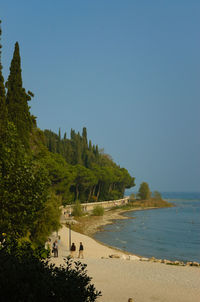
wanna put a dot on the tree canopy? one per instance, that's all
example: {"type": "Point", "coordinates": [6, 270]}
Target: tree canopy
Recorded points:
{"type": "Point", "coordinates": [144, 191]}
{"type": "Point", "coordinates": [97, 177]}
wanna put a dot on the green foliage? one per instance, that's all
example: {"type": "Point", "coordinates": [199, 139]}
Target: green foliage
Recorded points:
{"type": "Point", "coordinates": [47, 220]}
{"type": "Point", "coordinates": [132, 197]}
{"type": "Point", "coordinates": [144, 191]}
{"type": "Point", "coordinates": [157, 195]}
{"type": "Point", "coordinates": [96, 175]}
{"type": "Point", "coordinates": [23, 186]}
{"type": "Point", "coordinates": [98, 211]}
{"type": "Point", "coordinates": [26, 206]}
{"type": "Point", "coordinates": [3, 109]}
{"type": "Point", "coordinates": [77, 209]}
{"type": "Point", "coordinates": [33, 280]}
{"type": "Point", "coordinates": [17, 100]}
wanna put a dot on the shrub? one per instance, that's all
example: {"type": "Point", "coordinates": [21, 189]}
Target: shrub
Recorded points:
{"type": "Point", "coordinates": [34, 280]}
{"type": "Point", "coordinates": [132, 197]}
{"type": "Point", "coordinates": [77, 209]}
{"type": "Point", "coordinates": [157, 195]}
{"type": "Point", "coordinates": [98, 211]}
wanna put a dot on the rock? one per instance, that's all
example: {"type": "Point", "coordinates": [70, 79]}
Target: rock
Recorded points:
{"type": "Point", "coordinates": [195, 264]}
{"type": "Point", "coordinates": [176, 262]}
{"type": "Point", "coordinates": [180, 263]}
{"type": "Point", "coordinates": [159, 260]}
{"type": "Point", "coordinates": [132, 257]}
{"type": "Point", "coordinates": [144, 259]}
{"type": "Point", "coordinates": [189, 263]}
{"type": "Point", "coordinates": [165, 261]}
{"type": "Point", "coordinates": [114, 256]}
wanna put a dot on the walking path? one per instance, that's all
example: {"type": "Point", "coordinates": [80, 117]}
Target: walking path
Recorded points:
{"type": "Point", "coordinates": [119, 279]}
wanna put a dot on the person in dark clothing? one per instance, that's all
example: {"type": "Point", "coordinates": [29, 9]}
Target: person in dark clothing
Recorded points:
{"type": "Point", "coordinates": [55, 248]}
{"type": "Point", "coordinates": [72, 250]}
{"type": "Point", "coordinates": [80, 255]}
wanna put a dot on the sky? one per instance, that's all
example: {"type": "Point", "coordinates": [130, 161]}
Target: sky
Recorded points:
{"type": "Point", "coordinates": [127, 70]}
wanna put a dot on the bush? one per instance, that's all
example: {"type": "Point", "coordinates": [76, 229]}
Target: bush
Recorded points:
{"type": "Point", "coordinates": [132, 197]}
{"type": "Point", "coordinates": [77, 209]}
{"type": "Point", "coordinates": [25, 278]}
{"type": "Point", "coordinates": [98, 211]}
{"type": "Point", "coordinates": [157, 195]}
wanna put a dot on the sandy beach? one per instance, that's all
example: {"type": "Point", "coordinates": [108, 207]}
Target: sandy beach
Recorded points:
{"type": "Point", "coordinates": [119, 279]}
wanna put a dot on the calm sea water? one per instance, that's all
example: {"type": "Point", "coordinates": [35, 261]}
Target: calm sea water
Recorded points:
{"type": "Point", "coordinates": [169, 233]}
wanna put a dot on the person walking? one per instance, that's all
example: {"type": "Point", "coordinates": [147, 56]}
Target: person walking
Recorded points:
{"type": "Point", "coordinates": [55, 248]}
{"type": "Point", "coordinates": [80, 255]}
{"type": "Point", "coordinates": [72, 250]}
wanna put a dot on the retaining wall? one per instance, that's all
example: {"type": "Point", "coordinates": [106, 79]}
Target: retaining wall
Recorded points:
{"type": "Point", "coordinates": [88, 207]}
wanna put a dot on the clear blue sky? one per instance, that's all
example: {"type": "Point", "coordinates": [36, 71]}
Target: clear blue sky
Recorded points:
{"type": "Point", "coordinates": [127, 70]}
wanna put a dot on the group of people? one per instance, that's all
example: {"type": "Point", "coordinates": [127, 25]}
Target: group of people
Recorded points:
{"type": "Point", "coordinates": [73, 250]}
{"type": "Point", "coordinates": [54, 248]}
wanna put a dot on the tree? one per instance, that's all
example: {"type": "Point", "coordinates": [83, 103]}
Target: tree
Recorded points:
{"type": "Point", "coordinates": [48, 220]}
{"type": "Point", "coordinates": [84, 180]}
{"type": "Point", "coordinates": [17, 99]}
{"type": "Point", "coordinates": [77, 209]}
{"type": "Point", "coordinates": [101, 180]}
{"type": "Point", "coordinates": [35, 280]}
{"type": "Point", "coordinates": [144, 191]}
{"type": "Point", "coordinates": [23, 186]}
{"type": "Point", "coordinates": [3, 109]}
{"type": "Point", "coordinates": [84, 136]}
{"type": "Point", "coordinates": [157, 195]}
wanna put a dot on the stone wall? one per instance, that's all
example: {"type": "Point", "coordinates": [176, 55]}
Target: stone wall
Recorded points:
{"type": "Point", "coordinates": [88, 207]}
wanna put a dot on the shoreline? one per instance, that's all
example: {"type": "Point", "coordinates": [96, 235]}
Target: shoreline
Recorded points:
{"type": "Point", "coordinates": [123, 276]}
{"type": "Point", "coordinates": [95, 224]}
{"type": "Point", "coordinates": [90, 225]}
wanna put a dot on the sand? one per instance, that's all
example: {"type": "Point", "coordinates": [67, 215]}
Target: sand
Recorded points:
{"type": "Point", "coordinates": [119, 279]}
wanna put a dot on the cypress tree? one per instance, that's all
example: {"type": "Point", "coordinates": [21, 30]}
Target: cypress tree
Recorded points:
{"type": "Point", "coordinates": [3, 109]}
{"type": "Point", "coordinates": [90, 145]}
{"type": "Point", "coordinates": [17, 99]}
{"type": "Point", "coordinates": [59, 134]}
{"type": "Point", "coordinates": [84, 136]}
{"type": "Point", "coordinates": [97, 150]}
{"type": "Point", "coordinates": [84, 146]}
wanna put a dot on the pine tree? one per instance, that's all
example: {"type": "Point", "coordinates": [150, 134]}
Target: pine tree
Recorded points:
{"type": "Point", "coordinates": [3, 109]}
{"type": "Point", "coordinates": [17, 99]}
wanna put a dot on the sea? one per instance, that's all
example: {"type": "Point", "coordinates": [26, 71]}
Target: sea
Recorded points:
{"type": "Point", "coordinates": [167, 233]}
